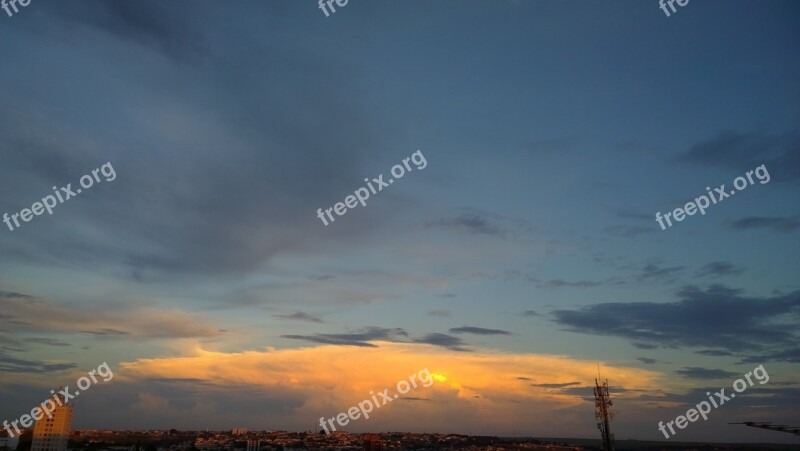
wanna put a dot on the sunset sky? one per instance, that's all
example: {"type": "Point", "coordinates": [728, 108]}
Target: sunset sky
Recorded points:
{"type": "Point", "coordinates": [525, 254]}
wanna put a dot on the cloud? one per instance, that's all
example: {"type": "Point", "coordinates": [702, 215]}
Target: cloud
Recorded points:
{"type": "Point", "coordinates": [300, 316]}
{"type": "Point", "coordinates": [714, 352]}
{"type": "Point", "coordinates": [221, 108]}
{"type": "Point", "coordinates": [733, 150]}
{"type": "Point", "coordinates": [628, 213]}
{"type": "Point", "coordinates": [719, 269]}
{"type": "Point", "coordinates": [531, 313]}
{"type": "Point", "coordinates": [718, 317]}
{"type": "Point", "coordinates": [646, 360]}
{"type": "Point", "coordinates": [440, 313]}
{"type": "Point", "coordinates": [645, 345]}
{"type": "Point", "coordinates": [478, 331]}
{"type": "Point", "coordinates": [560, 283]}
{"type": "Point", "coordinates": [654, 272]}
{"type": "Point", "coordinates": [12, 295]}
{"type": "Point", "coordinates": [317, 381]}
{"type": "Point", "coordinates": [471, 223]}
{"type": "Point", "coordinates": [105, 332]}
{"type": "Point", "coordinates": [359, 339]}
{"type": "Point", "coordinates": [562, 385]}
{"type": "Point", "coordinates": [787, 355]}
{"type": "Point", "coordinates": [446, 341]}
{"type": "Point", "coordinates": [151, 25]}
{"type": "Point", "coordinates": [37, 316]}
{"type": "Point", "coordinates": [9, 364]}
{"type": "Point", "coordinates": [695, 372]}
{"type": "Point", "coordinates": [47, 341]}
{"type": "Point", "coordinates": [786, 224]}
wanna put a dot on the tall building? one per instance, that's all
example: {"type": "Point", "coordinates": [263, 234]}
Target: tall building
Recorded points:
{"type": "Point", "coordinates": [51, 434]}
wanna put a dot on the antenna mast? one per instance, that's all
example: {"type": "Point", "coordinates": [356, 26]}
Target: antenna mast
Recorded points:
{"type": "Point", "coordinates": [603, 413]}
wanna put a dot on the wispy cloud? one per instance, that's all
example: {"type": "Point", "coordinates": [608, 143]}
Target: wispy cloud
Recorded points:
{"type": "Point", "coordinates": [695, 372]}
{"type": "Point", "coordinates": [440, 313]}
{"type": "Point", "coordinates": [359, 339]}
{"type": "Point", "coordinates": [653, 272]}
{"type": "Point", "coordinates": [478, 331]}
{"type": "Point", "coordinates": [735, 150]}
{"type": "Point", "coordinates": [719, 269]}
{"type": "Point", "coordinates": [446, 341]}
{"type": "Point", "coordinates": [300, 316]}
{"type": "Point", "coordinates": [471, 223]}
{"type": "Point", "coordinates": [563, 385]}
{"type": "Point", "coordinates": [787, 224]}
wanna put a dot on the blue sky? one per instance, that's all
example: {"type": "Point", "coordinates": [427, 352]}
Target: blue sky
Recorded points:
{"type": "Point", "coordinates": [553, 133]}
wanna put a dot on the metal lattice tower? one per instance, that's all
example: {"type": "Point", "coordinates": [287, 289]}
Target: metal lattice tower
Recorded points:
{"type": "Point", "coordinates": [603, 413]}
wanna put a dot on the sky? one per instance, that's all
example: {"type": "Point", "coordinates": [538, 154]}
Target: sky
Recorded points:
{"type": "Point", "coordinates": [522, 256]}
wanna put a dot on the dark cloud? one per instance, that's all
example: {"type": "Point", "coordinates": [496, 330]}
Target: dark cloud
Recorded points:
{"type": "Point", "coordinates": [231, 103]}
{"type": "Point", "coordinates": [360, 339]}
{"type": "Point", "coordinates": [714, 352]}
{"type": "Point", "coordinates": [787, 355]}
{"type": "Point", "coordinates": [718, 317]}
{"type": "Point", "coordinates": [157, 26]}
{"type": "Point", "coordinates": [12, 295]}
{"type": "Point", "coordinates": [300, 316]}
{"type": "Point", "coordinates": [471, 223]}
{"type": "Point", "coordinates": [105, 332]}
{"type": "Point", "coordinates": [560, 283]}
{"type": "Point", "coordinates": [446, 295]}
{"type": "Point", "coordinates": [446, 341]}
{"type": "Point", "coordinates": [531, 313]}
{"type": "Point", "coordinates": [719, 269]}
{"type": "Point", "coordinates": [786, 224]}
{"type": "Point", "coordinates": [440, 313]}
{"type": "Point", "coordinates": [645, 345]}
{"type": "Point", "coordinates": [47, 341]}
{"type": "Point", "coordinates": [522, 378]}
{"type": "Point", "coordinates": [695, 372]}
{"type": "Point", "coordinates": [780, 153]}
{"type": "Point", "coordinates": [646, 360]}
{"type": "Point", "coordinates": [782, 401]}
{"type": "Point", "coordinates": [627, 213]}
{"type": "Point", "coordinates": [564, 385]}
{"type": "Point", "coordinates": [9, 364]}
{"type": "Point", "coordinates": [478, 331]}
{"type": "Point", "coordinates": [656, 273]}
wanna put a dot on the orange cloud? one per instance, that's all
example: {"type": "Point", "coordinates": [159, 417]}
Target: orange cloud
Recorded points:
{"type": "Point", "coordinates": [482, 391]}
